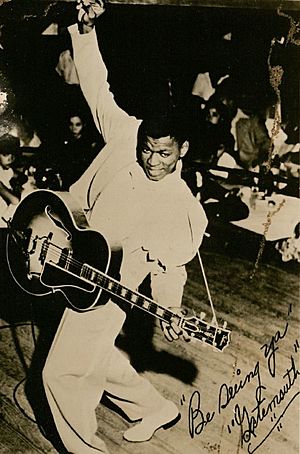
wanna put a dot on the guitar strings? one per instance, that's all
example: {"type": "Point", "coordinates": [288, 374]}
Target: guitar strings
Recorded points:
{"type": "Point", "coordinates": [78, 265]}
{"type": "Point", "coordinates": [58, 252]}
{"type": "Point", "coordinates": [106, 279]}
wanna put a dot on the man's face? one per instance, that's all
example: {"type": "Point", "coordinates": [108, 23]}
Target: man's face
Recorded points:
{"type": "Point", "coordinates": [6, 160]}
{"type": "Point", "coordinates": [159, 156]}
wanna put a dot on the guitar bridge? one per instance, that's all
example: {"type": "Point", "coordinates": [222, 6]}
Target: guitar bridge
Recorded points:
{"type": "Point", "coordinates": [44, 248]}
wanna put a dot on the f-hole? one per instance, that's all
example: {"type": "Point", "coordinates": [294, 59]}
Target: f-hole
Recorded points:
{"type": "Point", "coordinates": [58, 223]}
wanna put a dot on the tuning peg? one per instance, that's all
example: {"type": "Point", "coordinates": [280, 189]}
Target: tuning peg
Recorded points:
{"type": "Point", "coordinates": [202, 315]}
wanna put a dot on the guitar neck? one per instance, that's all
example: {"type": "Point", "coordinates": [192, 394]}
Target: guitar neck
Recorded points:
{"type": "Point", "coordinates": [196, 327]}
{"type": "Point", "coordinates": [114, 287]}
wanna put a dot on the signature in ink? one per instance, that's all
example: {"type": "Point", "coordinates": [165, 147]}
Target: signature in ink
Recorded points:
{"type": "Point", "coordinates": [270, 349]}
{"type": "Point", "coordinates": [250, 420]}
{"type": "Point", "coordinates": [227, 392]}
{"type": "Point", "coordinates": [247, 420]}
{"type": "Point", "coordinates": [249, 417]}
{"type": "Point", "coordinates": [197, 419]}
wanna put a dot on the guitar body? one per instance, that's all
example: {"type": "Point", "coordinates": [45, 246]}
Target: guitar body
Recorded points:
{"type": "Point", "coordinates": [46, 217]}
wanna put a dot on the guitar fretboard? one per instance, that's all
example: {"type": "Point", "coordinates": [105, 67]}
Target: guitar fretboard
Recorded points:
{"type": "Point", "coordinates": [114, 287]}
{"type": "Point", "coordinates": [194, 326]}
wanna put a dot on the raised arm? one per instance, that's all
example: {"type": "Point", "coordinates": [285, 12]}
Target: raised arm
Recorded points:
{"type": "Point", "coordinates": [109, 118]}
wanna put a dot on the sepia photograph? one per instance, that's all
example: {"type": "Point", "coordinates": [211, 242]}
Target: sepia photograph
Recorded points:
{"type": "Point", "coordinates": [149, 226]}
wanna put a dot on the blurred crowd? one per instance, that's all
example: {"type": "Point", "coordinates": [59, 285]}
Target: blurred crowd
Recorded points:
{"type": "Point", "coordinates": [27, 162]}
{"type": "Point", "coordinates": [234, 142]}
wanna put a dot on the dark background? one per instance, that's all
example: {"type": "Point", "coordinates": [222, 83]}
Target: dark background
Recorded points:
{"type": "Point", "coordinates": [145, 47]}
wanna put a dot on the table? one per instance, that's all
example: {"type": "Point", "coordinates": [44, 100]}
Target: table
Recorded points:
{"type": "Point", "coordinates": [275, 217]}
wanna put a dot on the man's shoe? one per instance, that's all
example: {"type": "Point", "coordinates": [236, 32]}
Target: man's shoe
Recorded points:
{"type": "Point", "coordinates": [164, 418]}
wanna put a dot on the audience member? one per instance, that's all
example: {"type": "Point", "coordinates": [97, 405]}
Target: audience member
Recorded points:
{"type": "Point", "coordinates": [225, 94]}
{"type": "Point", "coordinates": [7, 103]}
{"type": "Point", "coordinates": [26, 133]}
{"type": "Point", "coordinates": [251, 138]}
{"type": "Point", "coordinates": [9, 147]}
{"type": "Point", "coordinates": [80, 146]}
{"type": "Point", "coordinates": [290, 248]}
{"type": "Point", "coordinates": [211, 136]}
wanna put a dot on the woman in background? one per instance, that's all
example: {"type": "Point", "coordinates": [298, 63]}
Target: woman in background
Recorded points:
{"type": "Point", "coordinates": [80, 145]}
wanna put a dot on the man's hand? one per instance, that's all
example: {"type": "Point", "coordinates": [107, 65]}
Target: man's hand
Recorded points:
{"type": "Point", "coordinates": [171, 330]}
{"type": "Point", "coordinates": [88, 12]}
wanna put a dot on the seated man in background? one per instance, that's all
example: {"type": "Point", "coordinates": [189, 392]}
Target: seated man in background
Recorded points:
{"type": "Point", "coordinates": [252, 141]}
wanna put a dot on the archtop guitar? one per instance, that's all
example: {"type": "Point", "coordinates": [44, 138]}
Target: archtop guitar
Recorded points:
{"type": "Point", "coordinates": [51, 248]}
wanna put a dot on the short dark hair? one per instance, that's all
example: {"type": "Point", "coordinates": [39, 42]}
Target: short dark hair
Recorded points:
{"type": "Point", "coordinates": [162, 124]}
{"type": "Point", "coordinates": [9, 144]}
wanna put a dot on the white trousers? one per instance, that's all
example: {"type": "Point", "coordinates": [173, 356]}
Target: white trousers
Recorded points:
{"type": "Point", "coordinates": [83, 362]}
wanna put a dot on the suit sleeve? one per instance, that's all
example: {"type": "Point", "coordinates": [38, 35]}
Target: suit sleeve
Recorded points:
{"type": "Point", "coordinates": [167, 288]}
{"type": "Point", "coordinates": [109, 118]}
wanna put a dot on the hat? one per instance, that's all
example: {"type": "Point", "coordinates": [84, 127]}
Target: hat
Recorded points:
{"type": "Point", "coordinates": [9, 144]}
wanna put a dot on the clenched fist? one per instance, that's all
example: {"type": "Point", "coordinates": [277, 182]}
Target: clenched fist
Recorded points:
{"type": "Point", "coordinates": [88, 12]}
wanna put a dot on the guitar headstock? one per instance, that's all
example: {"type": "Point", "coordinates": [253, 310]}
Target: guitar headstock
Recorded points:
{"type": "Point", "coordinates": [197, 328]}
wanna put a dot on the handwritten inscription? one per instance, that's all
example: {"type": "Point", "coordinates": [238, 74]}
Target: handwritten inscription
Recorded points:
{"type": "Point", "coordinates": [248, 418]}
{"type": "Point", "coordinates": [270, 349]}
{"type": "Point", "coordinates": [228, 392]}
{"type": "Point", "coordinates": [197, 419]}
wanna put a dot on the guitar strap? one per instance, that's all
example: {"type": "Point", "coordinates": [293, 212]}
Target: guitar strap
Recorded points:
{"type": "Point", "coordinates": [214, 319]}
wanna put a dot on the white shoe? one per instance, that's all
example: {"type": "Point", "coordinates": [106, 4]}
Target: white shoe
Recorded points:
{"type": "Point", "coordinates": [164, 418]}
